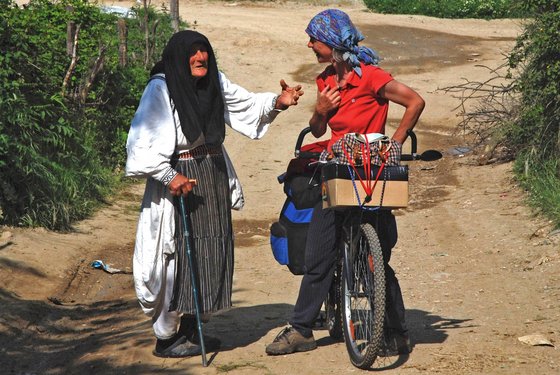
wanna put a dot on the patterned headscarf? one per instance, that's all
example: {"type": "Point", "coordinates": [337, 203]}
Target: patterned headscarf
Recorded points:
{"type": "Point", "coordinates": [334, 28]}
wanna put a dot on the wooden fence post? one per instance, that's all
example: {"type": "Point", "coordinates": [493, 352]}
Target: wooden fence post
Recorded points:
{"type": "Point", "coordinates": [70, 31]}
{"type": "Point", "coordinates": [174, 13]}
{"type": "Point", "coordinates": [123, 32]}
{"type": "Point", "coordinates": [146, 4]}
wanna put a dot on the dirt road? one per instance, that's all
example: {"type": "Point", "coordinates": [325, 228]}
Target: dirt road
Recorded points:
{"type": "Point", "coordinates": [478, 269]}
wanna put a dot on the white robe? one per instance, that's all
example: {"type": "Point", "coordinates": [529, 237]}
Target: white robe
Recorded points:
{"type": "Point", "coordinates": [154, 137]}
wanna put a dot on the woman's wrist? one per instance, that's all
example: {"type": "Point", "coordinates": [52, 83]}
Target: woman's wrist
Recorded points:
{"type": "Point", "coordinates": [277, 106]}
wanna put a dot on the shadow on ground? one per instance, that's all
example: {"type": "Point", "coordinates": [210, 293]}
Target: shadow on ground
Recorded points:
{"type": "Point", "coordinates": [39, 337]}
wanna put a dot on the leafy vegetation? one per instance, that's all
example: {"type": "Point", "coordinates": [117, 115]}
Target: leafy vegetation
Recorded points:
{"type": "Point", "coordinates": [536, 133]}
{"type": "Point", "coordinates": [62, 141]}
{"type": "Point", "coordinates": [537, 53]}
{"type": "Point", "coordinates": [65, 119]}
{"type": "Point", "coordinates": [450, 8]}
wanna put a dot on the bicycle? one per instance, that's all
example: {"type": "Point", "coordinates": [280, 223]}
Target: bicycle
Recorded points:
{"type": "Point", "coordinates": [355, 304]}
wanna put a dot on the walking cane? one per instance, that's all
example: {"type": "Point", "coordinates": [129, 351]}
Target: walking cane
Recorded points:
{"type": "Point", "coordinates": [193, 279]}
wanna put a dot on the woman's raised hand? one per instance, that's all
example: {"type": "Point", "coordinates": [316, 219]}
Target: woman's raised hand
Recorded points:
{"type": "Point", "coordinates": [328, 100]}
{"type": "Point", "coordinates": [289, 95]}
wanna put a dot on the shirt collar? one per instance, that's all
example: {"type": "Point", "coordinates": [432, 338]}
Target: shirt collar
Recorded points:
{"type": "Point", "coordinates": [353, 79]}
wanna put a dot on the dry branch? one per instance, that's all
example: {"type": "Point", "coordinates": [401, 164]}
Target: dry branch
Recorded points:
{"type": "Point", "coordinates": [152, 44]}
{"type": "Point", "coordinates": [485, 107]}
{"type": "Point", "coordinates": [95, 69]}
{"type": "Point", "coordinates": [73, 61]}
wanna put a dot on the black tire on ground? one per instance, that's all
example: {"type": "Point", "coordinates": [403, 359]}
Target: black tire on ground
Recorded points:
{"type": "Point", "coordinates": [363, 297]}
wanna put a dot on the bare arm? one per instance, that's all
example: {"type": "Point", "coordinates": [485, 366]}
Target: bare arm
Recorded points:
{"type": "Point", "coordinates": [414, 105]}
{"type": "Point", "coordinates": [328, 101]}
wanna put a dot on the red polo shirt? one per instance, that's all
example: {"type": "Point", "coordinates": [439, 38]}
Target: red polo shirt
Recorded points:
{"type": "Point", "coordinates": [361, 109]}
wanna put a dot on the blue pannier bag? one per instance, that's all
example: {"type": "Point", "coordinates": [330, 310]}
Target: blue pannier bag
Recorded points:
{"type": "Point", "coordinates": [288, 236]}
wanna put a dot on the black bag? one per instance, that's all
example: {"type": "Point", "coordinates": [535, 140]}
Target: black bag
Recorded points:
{"type": "Point", "coordinates": [289, 234]}
{"type": "Point", "coordinates": [304, 189]}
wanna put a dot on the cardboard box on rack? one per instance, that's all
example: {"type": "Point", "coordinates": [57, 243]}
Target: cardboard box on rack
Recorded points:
{"type": "Point", "coordinates": [339, 185]}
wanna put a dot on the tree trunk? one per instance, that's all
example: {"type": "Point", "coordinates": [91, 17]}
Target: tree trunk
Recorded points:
{"type": "Point", "coordinates": [174, 13]}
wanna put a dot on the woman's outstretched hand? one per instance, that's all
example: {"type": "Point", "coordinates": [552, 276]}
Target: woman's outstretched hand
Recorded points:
{"type": "Point", "coordinates": [289, 96]}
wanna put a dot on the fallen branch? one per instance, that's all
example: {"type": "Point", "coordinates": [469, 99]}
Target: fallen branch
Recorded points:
{"type": "Point", "coordinates": [495, 104]}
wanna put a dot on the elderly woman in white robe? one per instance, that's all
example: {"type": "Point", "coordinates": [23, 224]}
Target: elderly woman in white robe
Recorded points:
{"type": "Point", "coordinates": [176, 139]}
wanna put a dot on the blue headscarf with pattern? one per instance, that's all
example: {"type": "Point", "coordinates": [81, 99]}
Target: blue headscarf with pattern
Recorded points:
{"type": "Point", "coordinates": [334, 28]}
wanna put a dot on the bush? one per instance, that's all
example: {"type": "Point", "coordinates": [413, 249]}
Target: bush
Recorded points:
{"type": "Point", "coordinates": [537, 53]}
{"type": "Point", "coordinates": [61, 140]}
{"type": "Point", "coordinates": [521, 119]}
{"type": "Point", "coordinates": [537, 133]}
{"type": "Point", "coordinates": [449, 9]}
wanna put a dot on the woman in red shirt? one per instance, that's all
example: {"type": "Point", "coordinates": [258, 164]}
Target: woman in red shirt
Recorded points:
{"type": "Point", "coordinates": [353, 96]}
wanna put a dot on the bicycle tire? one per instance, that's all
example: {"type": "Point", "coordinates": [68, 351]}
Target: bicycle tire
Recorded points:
{"type": "Point", "coordinates": [363, 297]}
{"type": "Point", "coordinates": [333, 309]}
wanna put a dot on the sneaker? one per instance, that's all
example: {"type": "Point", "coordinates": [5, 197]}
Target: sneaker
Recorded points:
{"type": "Point", "coordinates": [395, 343]}
{"type": "Point", "coordinates": [289, 340]}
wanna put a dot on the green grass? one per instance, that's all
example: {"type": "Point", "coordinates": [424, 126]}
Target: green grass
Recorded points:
{"type": "Point", "coordinates": [542, 181]}
{"type": "Point", "coordinates": [236, 366]}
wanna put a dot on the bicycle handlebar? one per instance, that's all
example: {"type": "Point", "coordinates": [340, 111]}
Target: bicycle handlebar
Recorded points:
{"type": "Point", "coordinates": [428, 155]}
{"type": "Point", "coordinates": [298, 153]}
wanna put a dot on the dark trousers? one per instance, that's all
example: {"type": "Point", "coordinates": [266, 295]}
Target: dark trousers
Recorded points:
{"type": "Point", "coordinates": [320, 259]}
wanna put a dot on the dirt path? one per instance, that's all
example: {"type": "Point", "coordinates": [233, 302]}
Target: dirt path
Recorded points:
{"type": "Point", "coordinates": [477, 268]}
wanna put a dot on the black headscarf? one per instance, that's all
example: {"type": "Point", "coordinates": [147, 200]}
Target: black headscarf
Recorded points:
{"type": "Point", "coordinates": [199, 103]}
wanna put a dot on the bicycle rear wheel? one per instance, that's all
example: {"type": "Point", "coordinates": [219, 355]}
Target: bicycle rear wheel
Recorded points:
{"type": "Point", "coordinates": [333, 309]}
{"type": "Point", "coordinates": [363, 297]}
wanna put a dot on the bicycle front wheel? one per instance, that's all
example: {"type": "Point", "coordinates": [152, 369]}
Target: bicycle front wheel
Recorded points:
{"type": "Point", "coordinates": [363, 296]}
